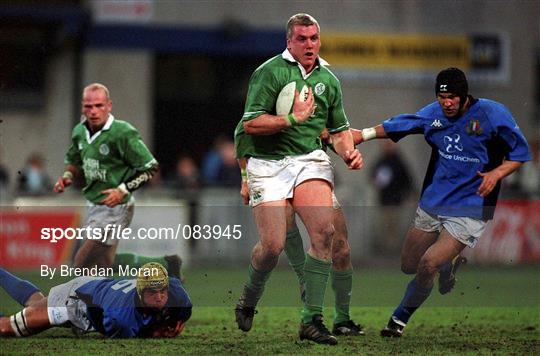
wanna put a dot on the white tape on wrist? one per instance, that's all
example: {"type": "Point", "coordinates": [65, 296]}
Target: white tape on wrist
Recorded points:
{"type": "Point", "coordinates": [67, 175]}
{"type": "Point", "coordinates": [122, 187]}
{"type": "Point", "coordinates": [369, 134]}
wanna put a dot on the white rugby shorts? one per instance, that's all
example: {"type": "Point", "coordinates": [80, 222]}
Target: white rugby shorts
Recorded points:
{"type": "Point", "coordinates": [464, 229]}
{"type": "Point", "coordinates": [99, 216]}
{"type": "Point", "coordinates": [64, 306]}
{"type": "Point", "coordinates": [273, 180]}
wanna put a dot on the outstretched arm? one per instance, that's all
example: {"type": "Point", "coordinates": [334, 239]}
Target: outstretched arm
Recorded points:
{"type": "Point", "coordinates": [367, 134]}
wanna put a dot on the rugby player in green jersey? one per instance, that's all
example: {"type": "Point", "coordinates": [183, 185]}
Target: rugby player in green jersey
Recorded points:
{"type": "Point", "coordinates": [114, 160]}
{"type": "Point", "coordinates": [286, 166]}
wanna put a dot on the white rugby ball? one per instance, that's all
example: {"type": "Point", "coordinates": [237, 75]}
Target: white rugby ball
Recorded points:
{"type": "Point", "coordinates": [285, 98]}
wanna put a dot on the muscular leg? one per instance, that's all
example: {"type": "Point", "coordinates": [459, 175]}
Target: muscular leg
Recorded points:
{"type": "Point", "coordinates": [341, 277]}
{"type": "Point", "coordinates": [416, 244]}
{"type": "Point", "coordinates": [341, 251]}
{"type": "Point", "coordinates": [442, 251]}
{"type": "Point", "coordinates": [294, 248]}
{"type": "Point", "coordinates": [313, 203]}
{"type": "Point", "coordinates": [93, 253]}
{"type": "Point", "coordinates": [270, 219]}
{"type": "Point", "coordinates": [29, 321]}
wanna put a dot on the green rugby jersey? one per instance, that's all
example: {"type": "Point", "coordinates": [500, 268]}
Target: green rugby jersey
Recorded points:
{"type": "Point", "coordinates": [264, 87]}
{"type": "Point", "coordinates": [108, 158]}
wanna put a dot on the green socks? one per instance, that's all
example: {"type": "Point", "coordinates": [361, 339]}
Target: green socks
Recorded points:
{"type": "Point", "coordinates": [342, 286]}
{"type": "Point", "coordinates": [294, 249]}
{"type": "Point", "coordinates": [254, 287]}
{"type": "Point", "coordinates": [316, 273]}
{"type": "Point", "coordinates": [135, 260]}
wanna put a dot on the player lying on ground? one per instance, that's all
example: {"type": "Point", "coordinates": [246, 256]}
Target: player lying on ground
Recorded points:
{"type": "Point", "coordinates": [153, 305]}
{"type": "Point", "coordinates": [475, 144]}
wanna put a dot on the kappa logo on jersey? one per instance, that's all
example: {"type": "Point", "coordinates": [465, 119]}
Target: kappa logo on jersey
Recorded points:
{"type": "Point", "coordinates": [320, 88]}
{"type": "Point", "coordinates": [104, 149]}
{"type": "Point", "coordinates": [452, 143]}
{"type": "Point", "coordinates": [436, 123]}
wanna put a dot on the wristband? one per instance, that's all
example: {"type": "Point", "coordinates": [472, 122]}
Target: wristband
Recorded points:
{"type": "Point", "coordinates": [292, 119]}
{"type": "Point", "coordinates": [243, 173]}
{"type": "Point", "coordinates": [369, 134]}
{"type": "Point", "coordinates": [122, 187]}
{"type": "Point", "coordinates": [67, 175]}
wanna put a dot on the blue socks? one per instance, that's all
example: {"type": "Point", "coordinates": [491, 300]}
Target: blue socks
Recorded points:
{"type": "Point", "coordinates": [413, 298]}
{"type": "Point", "coordinates": [17, 288]}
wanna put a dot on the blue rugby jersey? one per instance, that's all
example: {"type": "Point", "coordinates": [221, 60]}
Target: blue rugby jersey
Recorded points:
{"type": "Point", "coordinates": [113, 306]}
{"type": "Point", "coordinates": [478, 140]}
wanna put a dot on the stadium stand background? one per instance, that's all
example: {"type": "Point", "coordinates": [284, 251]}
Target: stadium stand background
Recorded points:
{"type": "Point", "coordinates": [178, 71]}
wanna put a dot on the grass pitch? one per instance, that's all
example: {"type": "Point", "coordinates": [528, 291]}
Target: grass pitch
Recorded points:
{"type": "Point", "coordinates": [491, 311]}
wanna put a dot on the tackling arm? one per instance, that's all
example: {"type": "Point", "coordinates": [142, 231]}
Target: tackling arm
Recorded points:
{"type": "Point", "coordinates": [367, 134]}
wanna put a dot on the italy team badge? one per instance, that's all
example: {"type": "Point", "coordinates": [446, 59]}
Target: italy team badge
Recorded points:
{"type": "Point", "coordinates": [473, 128]}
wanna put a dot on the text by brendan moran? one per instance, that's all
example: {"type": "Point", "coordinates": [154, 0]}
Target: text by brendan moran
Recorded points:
{"type": "Point", "coordinates": [120, 271]}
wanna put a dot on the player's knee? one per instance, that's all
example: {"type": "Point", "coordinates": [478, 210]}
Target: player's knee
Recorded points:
{"type": "Point", "coordinates": [427, 267]}
{"type": "Point", "coordinates": [273, 248]}
{"type": "Point", "coordinates": [341, 252]}
{"type": "Point", "coordinates": [409, 266]}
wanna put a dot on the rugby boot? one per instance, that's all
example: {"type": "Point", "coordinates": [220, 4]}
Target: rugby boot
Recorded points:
{"type": "Point", "coordinates": [447, 279]}
{"type": "Point", "coordinates": [317, 332]}
{"type": "Point", "coordinates": [348, 328]}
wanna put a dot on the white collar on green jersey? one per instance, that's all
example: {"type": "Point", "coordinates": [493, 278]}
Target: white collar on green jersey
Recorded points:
{"type": "Point", "coordinates": [286, 55]}
{"type": "Point", "coordinates": [105, 127]}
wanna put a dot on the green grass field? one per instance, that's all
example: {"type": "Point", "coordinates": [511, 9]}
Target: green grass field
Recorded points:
{"type": "Point", "coordinates": [491, 311]}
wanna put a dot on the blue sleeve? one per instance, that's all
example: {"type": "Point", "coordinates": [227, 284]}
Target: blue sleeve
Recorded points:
{"type": "Point", "coordinates": [509, 132]}
{"type": "Point", "coordinates": [400, 126]}
{"type": "Point", "coordinates": [179, 302]}
{"type": "Point", "coordinates": [114, 328]}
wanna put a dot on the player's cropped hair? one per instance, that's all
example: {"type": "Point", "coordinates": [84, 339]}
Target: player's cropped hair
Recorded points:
{"type": "Point", "coordinates": [97, 86]}
{"type": "Point", "coordinates": [302, 20]}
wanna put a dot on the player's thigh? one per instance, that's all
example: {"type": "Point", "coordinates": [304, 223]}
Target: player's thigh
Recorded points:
{"type": "Point", "coordinates": [291, 218]}
{"type": "Point", "coordinates": [313, 202]}
{"type": "Point", "coordinates": [271, 221]}
{"type": "Point", "coordinates": [415, 245]}
{"type": "Point", "coordinates": [442, 251]}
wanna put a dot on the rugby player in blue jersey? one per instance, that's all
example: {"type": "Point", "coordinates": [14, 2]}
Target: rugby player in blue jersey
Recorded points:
{"type": "Point", "coordinates": [475, 143]}
{"type": "Point", "coordinates": [153, 305]}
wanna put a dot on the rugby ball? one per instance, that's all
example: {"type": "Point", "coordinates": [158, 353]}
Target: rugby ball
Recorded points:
{"type": "Point", "coordinates": [285, 98]}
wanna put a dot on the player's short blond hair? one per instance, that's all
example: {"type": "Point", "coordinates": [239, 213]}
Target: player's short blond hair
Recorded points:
{"type": "Point", "coordinates": [97, 86]}
{"type": "Point", "coordinates": [302, 20]}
